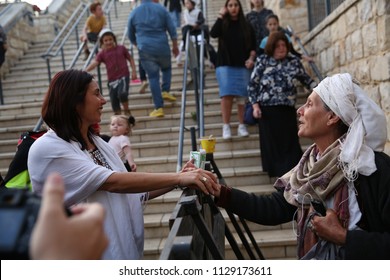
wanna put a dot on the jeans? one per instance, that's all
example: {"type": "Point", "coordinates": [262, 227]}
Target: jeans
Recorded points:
{"type": "Point", "coordinates": [176, 18]}
{"type": "Point", "coordinates": [152, 65]}
{"type": "Point", "coordinates": [119, 93]}
{"type": "Point", "coordinates": [141, 71]}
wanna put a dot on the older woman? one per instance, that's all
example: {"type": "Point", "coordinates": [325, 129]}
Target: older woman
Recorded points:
{"type": "Point", "coordinates": [273, 94]}
{"type": "Point", "coordinates": [91, 169]}
{"type": "Point", "coordinates": [345, 170]}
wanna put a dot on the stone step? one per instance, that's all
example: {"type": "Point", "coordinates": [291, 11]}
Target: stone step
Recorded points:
{"type": "Point", "coordinates": [16, 92]}
{"type": "Point", "coordinates": [274, 245]}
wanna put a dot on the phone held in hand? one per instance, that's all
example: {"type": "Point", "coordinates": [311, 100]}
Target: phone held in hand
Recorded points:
{"type": "Point", "coordinates": [318, 206]}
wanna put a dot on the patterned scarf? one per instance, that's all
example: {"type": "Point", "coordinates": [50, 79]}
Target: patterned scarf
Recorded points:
{"type": "Point", "coordinates": [318, 179]}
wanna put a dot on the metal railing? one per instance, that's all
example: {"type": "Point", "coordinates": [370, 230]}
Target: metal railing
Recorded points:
{"type": "Point", "coordinates": [70, 27]}
{"type": "Point", "coordinates": [320, 9]}
{"type": "Point", "coordinates": [313, 66]}
{"type": "Point", "coordinates": [194, 60]}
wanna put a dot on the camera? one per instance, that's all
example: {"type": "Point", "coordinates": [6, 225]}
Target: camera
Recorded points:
{"type": "Point", "coordinates": [19, 210]}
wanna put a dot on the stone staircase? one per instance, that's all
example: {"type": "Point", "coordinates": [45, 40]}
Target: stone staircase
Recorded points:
{"type": "Point", "coordinates": [154, 141]}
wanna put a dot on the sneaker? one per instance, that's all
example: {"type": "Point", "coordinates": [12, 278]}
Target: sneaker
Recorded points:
{"type": "Point", "coordinates": [242, 131]}
{"type": "Point", "coordinates": [143, 87]}
{"type": "Point", "coordinates": [167, 96]}
{"type": "Point", "coordinates": [157, 113]}
{"type": "Point", "coordinates": [226, 133]}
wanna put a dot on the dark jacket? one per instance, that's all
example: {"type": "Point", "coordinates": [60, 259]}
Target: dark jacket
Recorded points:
{"type": "Point", "coordinates": [174, 5]}
{"type": "Point", "coordinates": [373, 242]}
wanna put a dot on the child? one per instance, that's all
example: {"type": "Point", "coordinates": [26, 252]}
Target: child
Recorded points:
{"type": "Point", "coordinates": [193, 21]}
{"type": "Point", "coordinates": [114, 57]}
{"type": "Point", "coordinates": [257, 18]}
{"type": "Point", "coordinates": [272, 24]}
{"type": "Point", "coordinates": [120, 128]}
{"type": "Point", "coordinates": [94, 24]}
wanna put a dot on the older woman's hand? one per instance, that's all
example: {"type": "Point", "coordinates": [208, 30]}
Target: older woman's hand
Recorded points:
{"type": "Point", "coordinates": [256, 111]}
{"type": "Point", "coordinates": [329, 228]}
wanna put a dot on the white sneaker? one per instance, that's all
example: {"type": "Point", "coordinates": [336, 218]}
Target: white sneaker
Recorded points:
{"type": "Point", "coordinates": [226, 133]}
{"type": "Point", "coordinates": [242, 131]}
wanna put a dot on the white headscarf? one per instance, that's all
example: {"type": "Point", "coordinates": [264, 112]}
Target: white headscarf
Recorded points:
{"type": "Point", "coordinates": [367, 123]}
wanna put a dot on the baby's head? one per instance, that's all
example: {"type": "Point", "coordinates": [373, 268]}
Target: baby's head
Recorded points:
{"type": "Point", "coordinates": [272, 23]}
{"type": "Point", "coordinates": [121, 125]}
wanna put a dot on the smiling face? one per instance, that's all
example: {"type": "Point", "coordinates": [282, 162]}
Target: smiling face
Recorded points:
{"type": "Point", "coordinates": [108, 41]}
{"type": "Point", "coordinates": [119, 126]}
{"type": "Point", "coordinates": [90, 111]}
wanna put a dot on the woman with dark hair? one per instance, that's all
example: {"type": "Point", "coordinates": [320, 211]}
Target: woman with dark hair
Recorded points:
{"type": "Point", "coordinates": [272, 93]}
{"type": "Point", "coordinates": [235, 59]}
{"type": "Point", "coordinates": [92, 170]}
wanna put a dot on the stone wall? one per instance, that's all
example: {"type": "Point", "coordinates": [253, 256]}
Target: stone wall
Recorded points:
{"type": "Point", "coordinates": [34, 28]}
{"type": "Point", "coordinates": [354, 38]}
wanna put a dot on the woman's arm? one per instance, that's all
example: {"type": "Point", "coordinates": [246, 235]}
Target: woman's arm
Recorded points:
{"type": "Point", "coordinates": [270, 209]}
{"type": "Point", "coordinates": [134, 182]}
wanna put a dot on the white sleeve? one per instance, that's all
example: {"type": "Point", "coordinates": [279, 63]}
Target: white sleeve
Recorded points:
{"type": "Point", "coordinates": [82, 177]}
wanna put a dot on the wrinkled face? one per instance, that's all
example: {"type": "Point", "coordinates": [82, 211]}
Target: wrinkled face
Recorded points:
{"type": "Point", "coordinates": [272, 25]}
{"type": "Point", "coordinates": [108, 41]}
{"type": "Point", "coordinates": [90, 111]}
{"type": "Point", "coordinates": [313, 118]}
{"type": "Point", "coordinates": [280, 51]}
{"type": "Point", "coordinates": [233, 8]}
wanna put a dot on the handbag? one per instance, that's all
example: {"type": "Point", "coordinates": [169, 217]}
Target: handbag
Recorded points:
{"type": "Point", "coordinates": [248, 115]}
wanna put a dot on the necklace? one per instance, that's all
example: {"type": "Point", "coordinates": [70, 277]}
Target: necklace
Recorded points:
{"type": "Point", "coordinates": [98, 158]}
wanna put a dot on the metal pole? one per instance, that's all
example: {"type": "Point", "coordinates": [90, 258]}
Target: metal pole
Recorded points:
{"type": "Point", "coordinates": [290, 32]}
{"type": "Point", "coordinates": [1, 92]}
{"type": "Point", "coordinates": [201, 86]}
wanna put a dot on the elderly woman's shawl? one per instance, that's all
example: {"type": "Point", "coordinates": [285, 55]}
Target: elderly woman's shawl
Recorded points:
{"type": "Point", "coordinates": [315, 178]}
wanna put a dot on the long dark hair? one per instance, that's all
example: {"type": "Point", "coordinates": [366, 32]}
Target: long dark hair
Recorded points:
{"type": "Point", "coordinates": [245, 27]}
{"type": "Point", "coordinates": [67, 90]}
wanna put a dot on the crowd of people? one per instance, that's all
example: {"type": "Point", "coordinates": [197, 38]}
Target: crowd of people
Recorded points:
{"type": "Point", "coordinates": [345, 168]}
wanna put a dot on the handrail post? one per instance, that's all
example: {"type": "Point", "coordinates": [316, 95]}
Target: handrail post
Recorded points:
{"type": "Point", "coordinates": [182, 111]}
{"type": "Point", "coordinates": [201, 86]}
{"type": "Point", "coordinates": [63, 58]}
{"type": "Point", "coordinates": [1, 91]}
{"type": "Point", "coordinates": [77, 38]}
{"type": "Point", "coordinates": [48, 69]}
